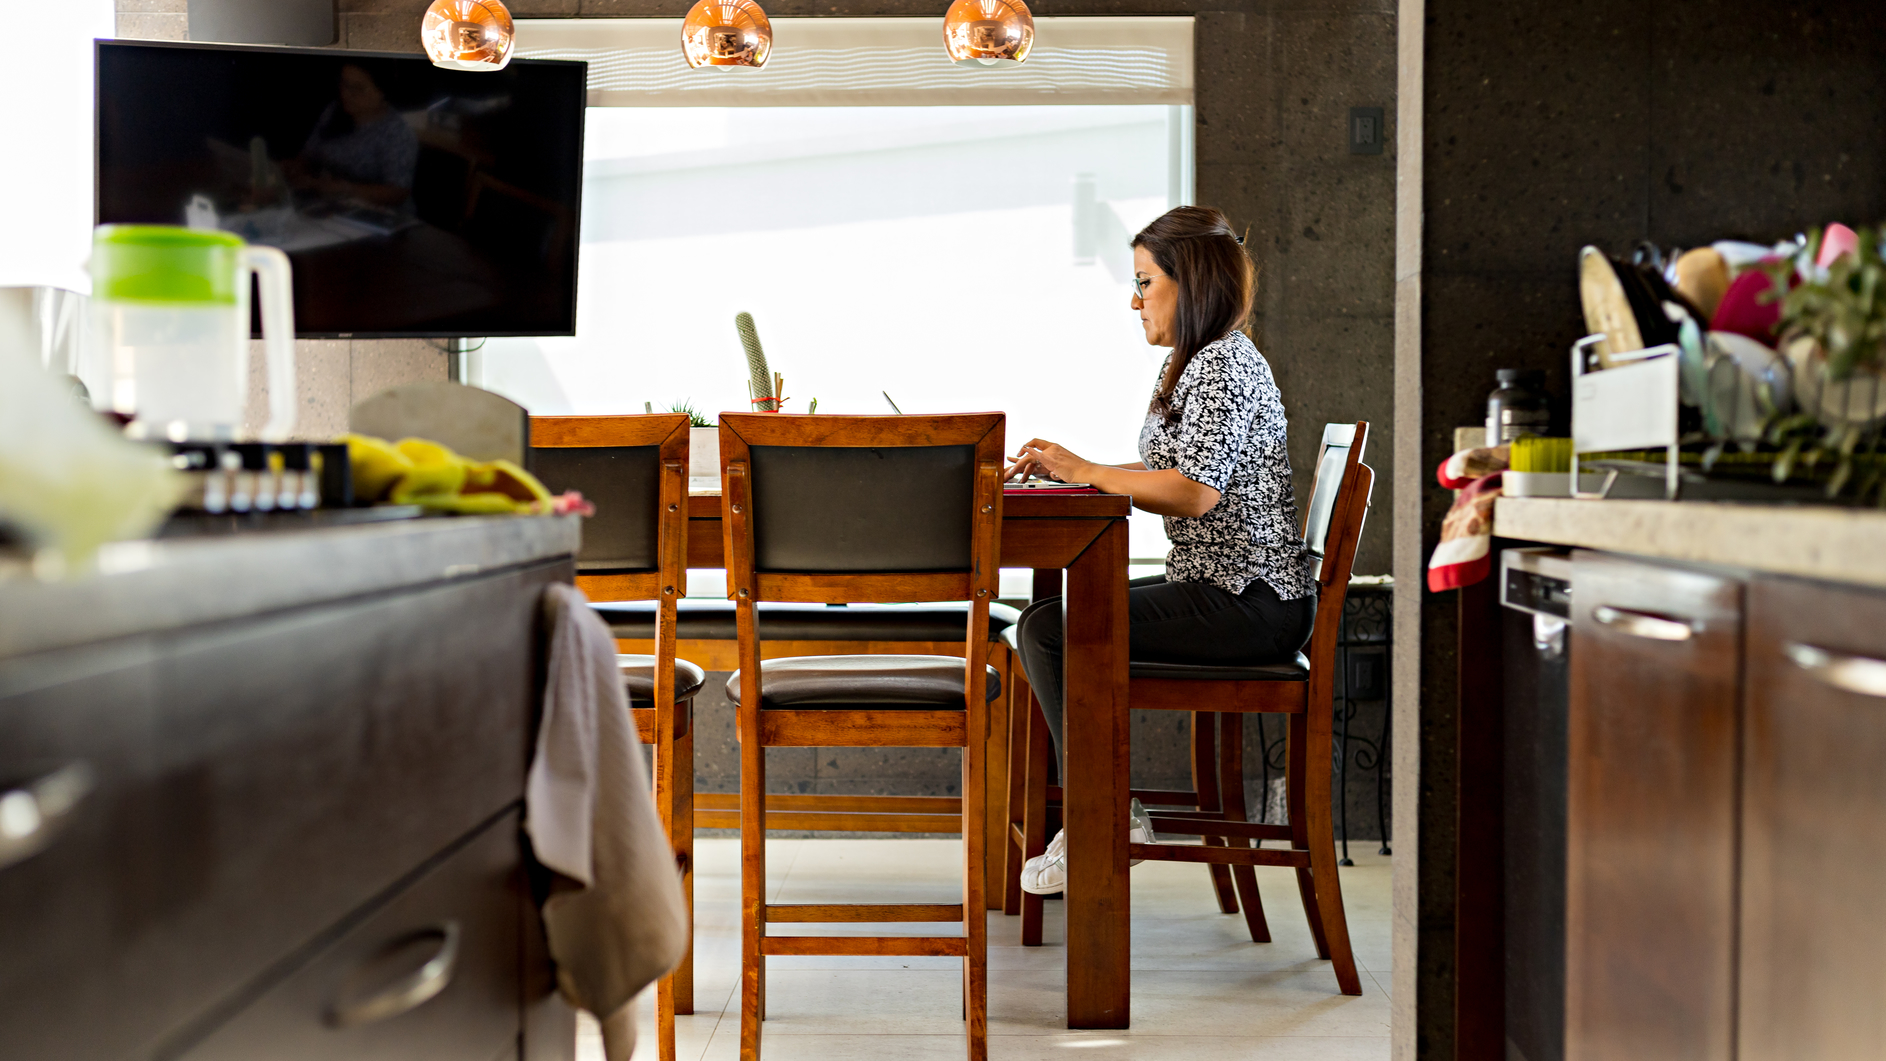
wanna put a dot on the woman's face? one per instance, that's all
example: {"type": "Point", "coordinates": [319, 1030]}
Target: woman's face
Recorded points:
{"type": "Point", "coordinates": [1160, 303]}
{"type": "Point", "coordinates": [360, 97]}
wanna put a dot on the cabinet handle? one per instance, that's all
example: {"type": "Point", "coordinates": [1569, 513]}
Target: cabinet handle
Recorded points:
{"type": "Point", "coordinates": [33, 814]}
{"type": "Point", "coordinates": [1855, 674]}
{"type": "Point", "coordinates": [409, 992]}
{"type": "Point", "coordinates": [1644, 624]}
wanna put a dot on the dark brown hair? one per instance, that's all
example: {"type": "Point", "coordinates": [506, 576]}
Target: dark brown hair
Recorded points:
{"type": "Point", "coordinates": [1194, 245]}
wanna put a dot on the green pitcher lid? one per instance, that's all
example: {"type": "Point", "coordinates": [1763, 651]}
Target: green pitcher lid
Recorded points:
{"type": "Point", "coordinates": [162, 263]}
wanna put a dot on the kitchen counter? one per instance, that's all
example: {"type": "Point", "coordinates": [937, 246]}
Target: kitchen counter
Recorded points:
{"type": "Point", "coordinates": [1827, 543]}
{"type": "Point", "coordinates": [258, 763]}
{"type": "Point", "coordinates": [150, 586]}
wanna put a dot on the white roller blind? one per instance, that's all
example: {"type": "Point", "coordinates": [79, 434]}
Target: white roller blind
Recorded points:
{"type": "Point", "coordinates": [875, 62]}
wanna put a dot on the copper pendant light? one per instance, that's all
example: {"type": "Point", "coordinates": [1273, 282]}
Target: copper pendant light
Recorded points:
{"type": "Point", "coordinates": [988, 32]}
{"type": "Point", "coordinates": [468, 34]}
{"type": "Point", "coordinates": [726, 35]}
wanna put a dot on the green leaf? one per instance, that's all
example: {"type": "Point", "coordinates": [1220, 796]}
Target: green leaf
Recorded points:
{"type": "Point", "coordinates": [1784, 464]}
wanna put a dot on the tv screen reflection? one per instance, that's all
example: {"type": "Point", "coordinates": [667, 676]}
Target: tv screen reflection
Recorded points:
{"type": "Point", "coordinates": [411, 200]}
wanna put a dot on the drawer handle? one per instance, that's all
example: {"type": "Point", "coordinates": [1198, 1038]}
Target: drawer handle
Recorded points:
{"type": "Point", "coordinates": [1644, 624]}
{"type": "Point", "coordinates": [33, 814]}
{"type": "Point", "coordinates": [409, 992]}
{"type": "Point", "coordinates": [1855, 674]}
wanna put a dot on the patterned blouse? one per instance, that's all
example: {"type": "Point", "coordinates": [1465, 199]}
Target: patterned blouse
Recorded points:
{"type": "Point", "coordinates": [1230, 434]}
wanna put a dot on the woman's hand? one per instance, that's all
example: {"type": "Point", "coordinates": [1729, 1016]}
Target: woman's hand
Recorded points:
{"type": "Point", "coordinates": [1048, 460]}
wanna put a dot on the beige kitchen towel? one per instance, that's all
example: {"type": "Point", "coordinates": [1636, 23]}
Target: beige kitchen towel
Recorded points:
{"type": "Point", "coordinates": [615, 916]}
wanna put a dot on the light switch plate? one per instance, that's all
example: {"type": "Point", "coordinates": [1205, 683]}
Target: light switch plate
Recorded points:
{"type": "Point", "coordinates": [307, 23]}
{"type": "Point", "coordinates": [1366, 131]}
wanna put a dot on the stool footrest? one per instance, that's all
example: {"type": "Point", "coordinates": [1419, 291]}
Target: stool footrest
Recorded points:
{"type": "Point", "coordinates": [883, 946]}
{"type": "Point", "coordinates": [1166, 797]}
{"type": "Point", "coordinates": [864, 912]}
{"type": "Point", "coordinates": [837, 814]}
{"type": "Point", "coordinates": [1222, 856]}
{"type": "Point", "coordinates": [784, 727]}
{"type": "Point", "coordinates": [1204, 825]}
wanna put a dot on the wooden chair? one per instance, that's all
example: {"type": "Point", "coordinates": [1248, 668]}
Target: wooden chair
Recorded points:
{"type": "Point", "coordinates": [834, 509]}
{"type": "Point", "coordinates": [706, 633]}
{"type": "Point", "coordinates": [635, 470]}
{"type": "Point", "coordinates": [1218, 697]}
{"type": "Point", "coordinates": [474, 423]}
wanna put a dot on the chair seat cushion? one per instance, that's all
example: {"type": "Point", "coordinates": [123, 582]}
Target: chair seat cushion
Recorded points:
{"type": "Point", "coordinates": [859, 682]}
{"type": "Point", "coordinates": [1296, 670]}
{"type": "Point", "coordinates": [713, 620]}
{"type": "Point", "coordinates": [638, 676]}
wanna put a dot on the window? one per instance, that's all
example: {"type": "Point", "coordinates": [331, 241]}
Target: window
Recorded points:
{"type": "Point", "coordinates": [47, 128]}
{"type": "Point", "coordinates": [963, 256]}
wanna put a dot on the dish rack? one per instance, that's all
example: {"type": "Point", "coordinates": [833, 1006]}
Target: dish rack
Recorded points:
{"type": "Point", "coordinates": [1632, 405]}
{"type": "Point", "coordinates": [1623, 416]}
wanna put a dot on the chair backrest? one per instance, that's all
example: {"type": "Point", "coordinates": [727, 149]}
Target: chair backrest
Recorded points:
{"type": "Point", "coordinates": [1342, 445]}
{"type": "Point", "coordinates": [1347, 483]}
{"type": "Point", "coordinates": [837, 509]}
{"type": "Point", "coordinates": [634, 470]}
{"type": "Point", "coordinates": [474, 423]}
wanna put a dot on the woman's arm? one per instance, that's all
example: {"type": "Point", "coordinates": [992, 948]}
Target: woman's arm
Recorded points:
{"type": "Point", "coordinates": [1164, 492]}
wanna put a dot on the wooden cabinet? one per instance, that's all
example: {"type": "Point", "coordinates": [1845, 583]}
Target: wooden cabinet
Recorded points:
{"type": "Point", "coordinates": [1813, 944]}
{"type": "Point", "coordinates": [430, 975]}
{"type": "Point", "coordinates": [1651, 812]}
{"type": "Point", "coordinates": [265, 803]}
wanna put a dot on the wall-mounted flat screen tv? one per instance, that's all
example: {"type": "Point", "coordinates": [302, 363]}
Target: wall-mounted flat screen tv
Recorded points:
{"type": "Point", "coordinates": [412, 201]}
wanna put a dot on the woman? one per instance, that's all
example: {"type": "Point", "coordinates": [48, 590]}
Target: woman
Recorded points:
{"type": "Point", "coordinates": [361, 148]}
{"type": "Point", "coordinates": [1213, 461]}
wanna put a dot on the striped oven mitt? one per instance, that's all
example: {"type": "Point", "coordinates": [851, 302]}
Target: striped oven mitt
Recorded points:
{"type": "Point", "coordinates": [1464, 555]}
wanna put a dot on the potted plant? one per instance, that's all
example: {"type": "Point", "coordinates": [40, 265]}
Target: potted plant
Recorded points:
{"type": "Point", "coordinates": [1833, 331]}
{"type": "Point", "coordinates": [703, 440]}
{"type": "Point", "coordinates": [1833, 334]}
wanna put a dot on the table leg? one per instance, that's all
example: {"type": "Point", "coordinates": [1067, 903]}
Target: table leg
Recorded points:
{"type": "Point", "coordinates": [1098, 894]}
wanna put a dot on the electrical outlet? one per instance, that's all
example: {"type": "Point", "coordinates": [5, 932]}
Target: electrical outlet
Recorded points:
{"type": "Point", "coordinates": [1366, 131]}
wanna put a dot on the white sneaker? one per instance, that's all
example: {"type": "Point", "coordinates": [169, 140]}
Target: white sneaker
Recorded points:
{"type": "Point", "coordinates": [1046, 873]}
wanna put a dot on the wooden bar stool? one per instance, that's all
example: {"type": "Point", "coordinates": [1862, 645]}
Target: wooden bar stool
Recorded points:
{"type": "Point", "coordinates": [835, 509]}
{"type": "Point", "coordinates": [1218, 697]}
{"type": "Point", "coordinates": [635, 470]}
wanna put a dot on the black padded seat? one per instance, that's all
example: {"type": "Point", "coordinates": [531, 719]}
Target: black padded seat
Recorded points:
{"type": "Point", "coordinates": [713, 620]}
{"type": "Point", "coordinates": [863, 682]}
{"type": "Point", "coordinates": [638, 676]}
{"type": "Point", "coordinates": [1297, 670]}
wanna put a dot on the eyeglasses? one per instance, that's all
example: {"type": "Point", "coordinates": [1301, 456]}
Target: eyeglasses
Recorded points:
{"type": "Point", "coordinates": [1139, 285]}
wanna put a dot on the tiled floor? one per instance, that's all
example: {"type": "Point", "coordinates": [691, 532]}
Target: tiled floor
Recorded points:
{"type": "Point", "coordinates": [1201, 988]}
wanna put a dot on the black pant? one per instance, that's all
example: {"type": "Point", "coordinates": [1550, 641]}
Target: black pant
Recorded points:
{"type": "Point", "coordinates": [1170, 622]}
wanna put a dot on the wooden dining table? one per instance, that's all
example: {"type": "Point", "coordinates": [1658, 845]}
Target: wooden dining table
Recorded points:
{"type": "Point", "coordinates": [1085, 536]}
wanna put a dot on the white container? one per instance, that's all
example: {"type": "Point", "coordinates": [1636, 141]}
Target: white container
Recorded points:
{"type": "Point", "coordinates": [169, 322]}
{"type": "Point", "coordinates": [704, 453]}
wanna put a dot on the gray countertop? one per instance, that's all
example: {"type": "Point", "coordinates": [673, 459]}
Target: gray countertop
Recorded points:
{"type": "Point", "coordinates": [146, 587]}
{"type": "Point", "coordinates": [1827, 543]}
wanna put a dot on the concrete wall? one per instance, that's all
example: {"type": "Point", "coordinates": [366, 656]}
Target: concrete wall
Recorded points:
{"type": "Point", "coordinates": [1528, 131]}
{"type": "Point", "coordinates": [330, 375]}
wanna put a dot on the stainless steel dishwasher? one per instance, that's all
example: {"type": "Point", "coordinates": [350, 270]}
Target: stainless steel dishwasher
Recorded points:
{"type": "Point", "coordinates": [1536, 589]}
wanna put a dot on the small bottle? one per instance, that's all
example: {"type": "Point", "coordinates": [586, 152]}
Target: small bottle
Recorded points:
{"type": "Point", "coordinates": [1518, 406]}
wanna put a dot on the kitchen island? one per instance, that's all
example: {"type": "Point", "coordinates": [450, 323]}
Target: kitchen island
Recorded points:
{"type": "Point", "coordinates": [1705, 784]}
{"type": "Point", "coordinates": [262, 792]}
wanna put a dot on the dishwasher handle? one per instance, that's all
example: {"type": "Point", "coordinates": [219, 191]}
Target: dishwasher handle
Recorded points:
{"type": "Point", "coordinates": [1842, 670]}
{"type": "Point", "coordinates": [1647, 625]}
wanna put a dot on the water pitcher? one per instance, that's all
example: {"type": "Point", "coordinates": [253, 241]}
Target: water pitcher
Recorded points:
{"type": "Point", "coordinates": [170, 321]}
